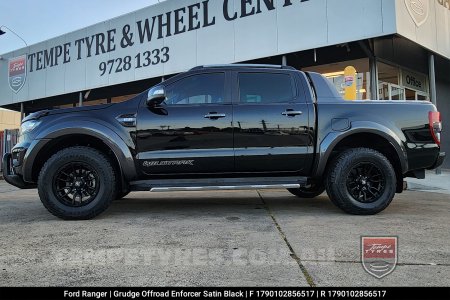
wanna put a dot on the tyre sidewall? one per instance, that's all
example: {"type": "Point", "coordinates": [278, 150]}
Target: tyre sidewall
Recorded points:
{"type": "Point", "coordinates": [85, 155]}
{"type": "Point", "coordinates": [339, 184]}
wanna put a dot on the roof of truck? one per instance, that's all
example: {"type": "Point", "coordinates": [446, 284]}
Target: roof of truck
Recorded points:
{"type": "Point", "coordinates": [253, 66]}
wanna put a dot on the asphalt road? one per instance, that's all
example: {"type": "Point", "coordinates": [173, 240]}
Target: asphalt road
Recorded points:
{"type": "Point", "coordinates": [237, 238]}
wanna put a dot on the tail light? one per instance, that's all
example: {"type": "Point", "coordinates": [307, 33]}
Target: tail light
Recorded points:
{"type": "Point", "coordinates": [434, 118]}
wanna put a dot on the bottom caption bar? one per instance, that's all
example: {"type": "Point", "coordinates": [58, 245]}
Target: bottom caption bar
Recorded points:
{"type": "Point", "coordinates": [49, 293]}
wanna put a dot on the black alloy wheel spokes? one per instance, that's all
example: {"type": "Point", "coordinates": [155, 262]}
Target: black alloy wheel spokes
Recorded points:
{"type": "Point", "coordinates": [76, 184]}
{"type": "Point", "coordinates": [365, 182]}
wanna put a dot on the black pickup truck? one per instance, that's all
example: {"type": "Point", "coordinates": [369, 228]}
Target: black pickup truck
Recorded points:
{"type": "Point", "coordinates": [227, 127]}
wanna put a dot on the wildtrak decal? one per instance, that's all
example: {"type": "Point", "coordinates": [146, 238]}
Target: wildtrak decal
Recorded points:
{"type": "Point", "coordinates": [167, 163]}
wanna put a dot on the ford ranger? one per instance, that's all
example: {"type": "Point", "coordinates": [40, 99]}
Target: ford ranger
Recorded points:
{"type": "Point", "coordinates": [227, 127]}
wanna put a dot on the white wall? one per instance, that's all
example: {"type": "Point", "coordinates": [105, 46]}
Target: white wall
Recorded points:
{"type": "Point", "coordinates": [434, 32]}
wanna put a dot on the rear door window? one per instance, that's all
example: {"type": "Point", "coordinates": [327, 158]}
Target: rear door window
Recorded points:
{"type": "Point", "coordinates": [265, 88]}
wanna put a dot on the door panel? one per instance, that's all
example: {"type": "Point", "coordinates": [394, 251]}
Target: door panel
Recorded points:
{"type": "Point", "coordinates": [270, 141]}
{"type": "Point", "coordinates": [182, 140]}
{"type": "Point", "coordinates": [192, 130]}
{"type": "Point", "coordinates": [271, 125]}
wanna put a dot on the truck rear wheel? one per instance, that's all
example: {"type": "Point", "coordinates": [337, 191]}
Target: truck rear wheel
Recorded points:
{"type": "Point", "coordinates": [77, 183]}
{"type": "Point", "coordinates": [311, 191]}
{"type": "Point", "coordinates": [361, 181]}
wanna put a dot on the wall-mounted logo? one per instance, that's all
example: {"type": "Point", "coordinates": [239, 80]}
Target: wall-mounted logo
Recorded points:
{"type": "Point", "coordinates": [419, 10]}
{"type": "Point", "coordinates": [17, 72]}
{"type": "Point", "coordinates": [444, 3]}
{"type": "Point", "coordinates": [379, 255]}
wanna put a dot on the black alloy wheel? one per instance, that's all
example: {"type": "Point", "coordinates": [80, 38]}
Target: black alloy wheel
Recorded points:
{"type": "Point", "coordinates": [76, 184]}
{"type": "Point", "coordinates": [361, 181]}
{"type": "Point", "coordinates": [366, 182]}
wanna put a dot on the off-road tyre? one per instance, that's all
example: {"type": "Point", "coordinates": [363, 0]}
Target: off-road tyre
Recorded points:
{"type": "Point", "coordinates": [361, 181]}
{"type": "Point", "coordinates": [93, 174]}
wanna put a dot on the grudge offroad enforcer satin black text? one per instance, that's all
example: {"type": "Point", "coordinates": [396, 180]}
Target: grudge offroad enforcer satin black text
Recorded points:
{"type": "Point", "coordinates": [227, 127]}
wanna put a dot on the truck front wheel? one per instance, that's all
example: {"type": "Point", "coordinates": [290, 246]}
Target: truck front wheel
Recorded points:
{"type": "Point", "coordinates": [361, 181]}
{"type": "Point", "coordinates": [77, 183]}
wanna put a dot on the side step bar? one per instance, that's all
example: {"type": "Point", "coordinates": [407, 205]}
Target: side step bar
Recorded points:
{"type": "Point", "coordinates": [224, 187]}
{"type": "Point", "coordinates": [209, 184]}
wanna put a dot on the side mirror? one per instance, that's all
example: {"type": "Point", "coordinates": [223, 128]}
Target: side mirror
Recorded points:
{"type": "Point", "coordinates": [156, 96]}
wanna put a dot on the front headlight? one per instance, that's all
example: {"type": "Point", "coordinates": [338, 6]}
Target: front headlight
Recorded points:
{"type": "Point", "coordinates": [28, 126]}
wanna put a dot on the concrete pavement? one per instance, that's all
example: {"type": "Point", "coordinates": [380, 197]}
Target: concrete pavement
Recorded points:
{"type": "Point", "coordinates": [249, 238]}
{"type": "Point", "coordinates": [432, 182]}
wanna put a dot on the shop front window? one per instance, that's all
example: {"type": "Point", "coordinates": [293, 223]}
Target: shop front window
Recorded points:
{"type": "Point", "coordinates": [335, 72]}
{"type": "Point", "coordinates": [422, 96]}
{"type": "Point", "coordinates": [395, 83]}
{"type": "Point", "coordinates": [390, 91]}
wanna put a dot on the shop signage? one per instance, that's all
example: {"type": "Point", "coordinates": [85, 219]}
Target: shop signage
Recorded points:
{"type": "Point", "coordinates": [17, 72]}
{"type": "Point", "coordinates": [414, 81]}
{"type": "Point", "coordinates": [170, 23]}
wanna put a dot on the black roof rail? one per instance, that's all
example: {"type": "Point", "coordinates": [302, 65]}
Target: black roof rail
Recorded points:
{"type": "Point", "coordinates": [256, 66]}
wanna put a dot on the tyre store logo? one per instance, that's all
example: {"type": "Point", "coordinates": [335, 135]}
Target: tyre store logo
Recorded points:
{"type": "Point", "coordinates": [17, 72]}
{"type": "Point", "coordinates": [419, 10]}
{"type": "Point", "coordinates": [379, 255]}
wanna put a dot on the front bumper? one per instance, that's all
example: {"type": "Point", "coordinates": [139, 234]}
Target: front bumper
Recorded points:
{"type": "Point", "coordinates": [440, 159]}
{"type": "Point", "coordinates": [10, 177]}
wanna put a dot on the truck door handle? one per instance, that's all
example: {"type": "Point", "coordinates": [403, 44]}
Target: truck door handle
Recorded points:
{"type": "Point", "coordinates": [214, 116]}
{"type": "Point", "coordinates": [291, 113]}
